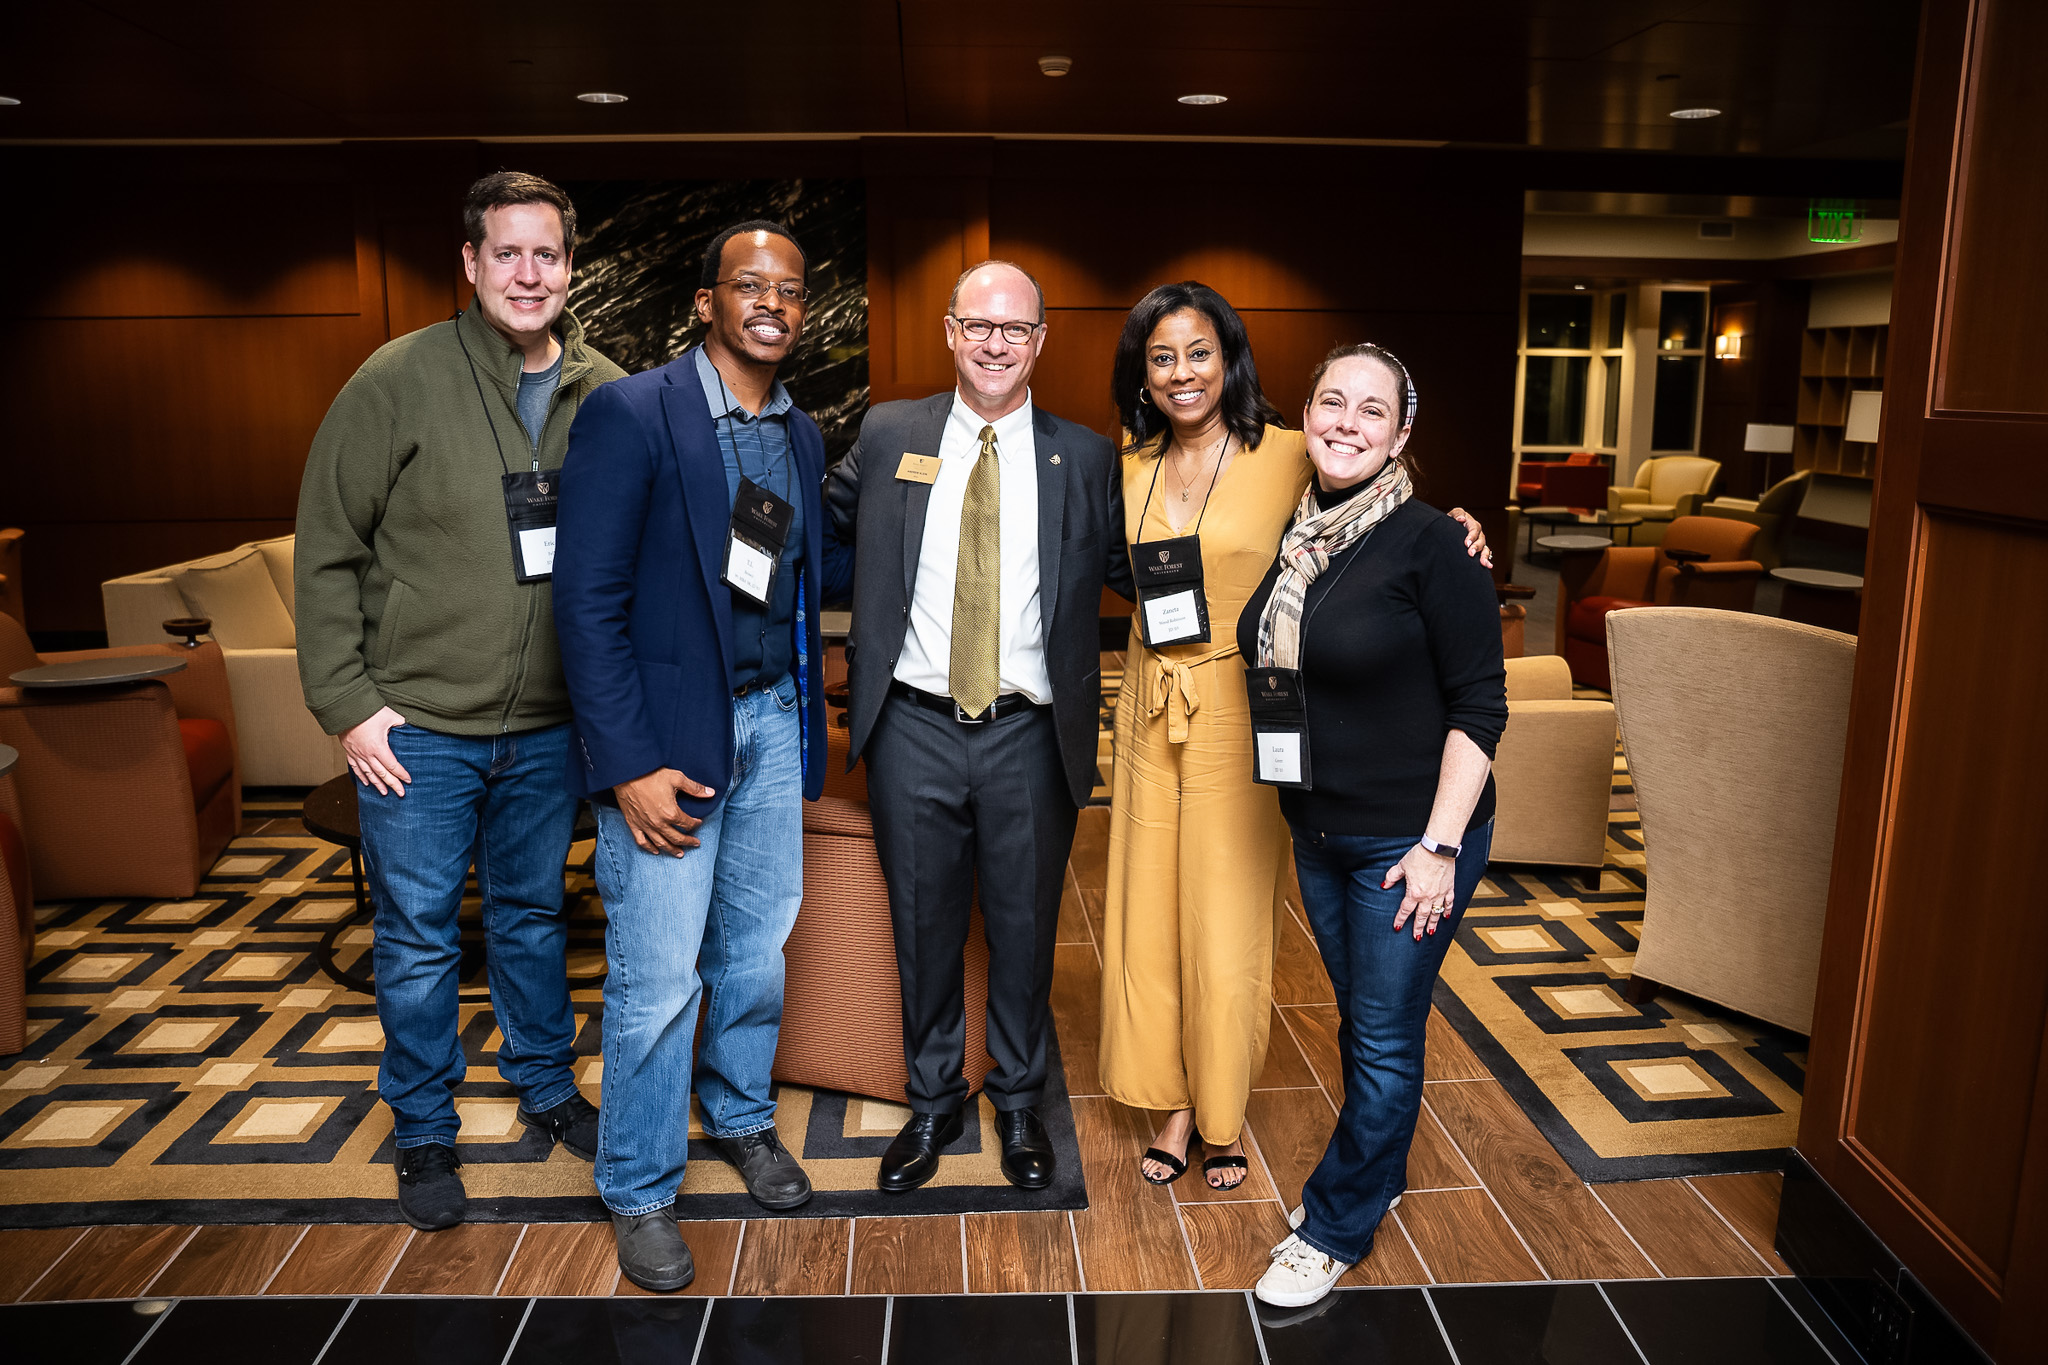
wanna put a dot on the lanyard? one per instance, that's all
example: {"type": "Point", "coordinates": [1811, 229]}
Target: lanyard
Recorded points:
{"type": "Point", "coordinates": [1207, 494]}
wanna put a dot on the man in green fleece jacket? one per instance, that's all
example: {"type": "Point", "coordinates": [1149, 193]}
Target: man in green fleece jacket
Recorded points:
{"type": "Point", "coordinates": [426, 641]}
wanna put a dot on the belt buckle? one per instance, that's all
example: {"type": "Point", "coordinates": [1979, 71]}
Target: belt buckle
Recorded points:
{"type": "Point", "coordinates": [960, 714]}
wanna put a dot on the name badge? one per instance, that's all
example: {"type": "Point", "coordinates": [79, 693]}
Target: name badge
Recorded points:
{"type": "Point", "coordinates": [754, 541]}
{"type": "Point", "coordinates": [1279, 727]}
{"type": "Point", "coordinates": [530, 505]}
{"type": "Point", "coordinates": [1173, 610]}
{"type": "Point", "coordinates": [918, 468]}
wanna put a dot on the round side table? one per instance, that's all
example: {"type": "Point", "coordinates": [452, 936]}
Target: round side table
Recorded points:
{"type": "Point", "coordinates": [1821, 597]}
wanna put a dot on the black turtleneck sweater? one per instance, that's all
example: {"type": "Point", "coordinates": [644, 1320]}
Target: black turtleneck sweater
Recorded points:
{"type": "Point", "coordinates": [1401, 646]}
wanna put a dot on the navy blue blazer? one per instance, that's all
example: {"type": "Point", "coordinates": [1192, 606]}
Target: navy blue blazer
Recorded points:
{"type": "Point", "coordinates": [645, 624]}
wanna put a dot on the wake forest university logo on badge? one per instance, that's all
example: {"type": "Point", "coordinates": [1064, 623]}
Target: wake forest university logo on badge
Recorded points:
{"type": "Point", "coordinates": [1272, 683]}
{"type": "Point", "coordinates": [1165, 555]}
{"type": "Point", "coordinates": [542, 485]}
{"type": "Point", "coordinates": [767, 509]}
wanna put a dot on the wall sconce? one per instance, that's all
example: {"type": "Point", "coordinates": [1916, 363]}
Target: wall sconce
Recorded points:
{"type": "Point", "coordinates": [1728, 346]}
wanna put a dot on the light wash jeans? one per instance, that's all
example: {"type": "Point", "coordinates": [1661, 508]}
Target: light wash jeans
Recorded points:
{"type": "Point", "coordinates": [711, 921]}
{"type": "Point", "coordinates": [497, 800]}
{"type": "Point", "coordinates": [1383, 981]}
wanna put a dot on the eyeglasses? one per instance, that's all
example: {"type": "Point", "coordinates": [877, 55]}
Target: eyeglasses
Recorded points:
{"type": "Point", "coordinates": [751, 287]}
{"type": "Point", "coordinates": [979, 329]}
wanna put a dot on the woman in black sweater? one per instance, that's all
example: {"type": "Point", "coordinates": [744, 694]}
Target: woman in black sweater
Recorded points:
{"type": "Point", "coordinates": [1389, 639]}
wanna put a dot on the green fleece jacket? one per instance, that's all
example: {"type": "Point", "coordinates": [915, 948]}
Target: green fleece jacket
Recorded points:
{"type": "Point", "coordinates": [403, 564]}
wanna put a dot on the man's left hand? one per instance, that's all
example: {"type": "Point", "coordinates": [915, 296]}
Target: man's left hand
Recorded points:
{"type": "Point", "coordinates": [1475, 538]}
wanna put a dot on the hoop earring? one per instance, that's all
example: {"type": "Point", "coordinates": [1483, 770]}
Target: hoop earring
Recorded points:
{"type": "Point", "coordinates": [1144, 398]}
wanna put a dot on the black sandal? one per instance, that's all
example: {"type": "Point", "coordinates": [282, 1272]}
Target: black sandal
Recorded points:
{"type": "Point", "coordinates": [1226, 1163]}
{"type": "Point", "coordinates": [1166, 1159]}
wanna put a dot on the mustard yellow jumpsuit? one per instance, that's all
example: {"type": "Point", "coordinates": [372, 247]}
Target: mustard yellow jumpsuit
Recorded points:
{"type": "Point", "coordinates": [1195, 846]}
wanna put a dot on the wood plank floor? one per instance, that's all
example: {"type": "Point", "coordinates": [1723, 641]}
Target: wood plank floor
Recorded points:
{"type": "Point", "coordinates": [1488, 1199]}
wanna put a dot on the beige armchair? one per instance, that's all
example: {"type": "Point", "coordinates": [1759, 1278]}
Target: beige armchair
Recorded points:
{"type": "Point", "coordinates": [1553, 772]}
{"type": "Point", "coordinates": [1771, 514]}
{"type": "Point", "coordinates": [1734, 727]}
{"type": "Point", "coordinates": [1666, 488]}
{"type": "Point", "coordinates": [247, 593]}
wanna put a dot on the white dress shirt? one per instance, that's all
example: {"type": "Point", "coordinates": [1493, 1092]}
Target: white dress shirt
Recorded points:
{"type": "Point", "coordinates": [927, 654]}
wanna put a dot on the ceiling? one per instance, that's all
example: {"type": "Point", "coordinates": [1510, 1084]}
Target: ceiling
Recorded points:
{"type": "Point", "coordinates": [1793, 77]}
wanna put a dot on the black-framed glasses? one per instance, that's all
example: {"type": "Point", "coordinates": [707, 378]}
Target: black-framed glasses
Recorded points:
{"type": "Point", "coordinates": [980, 329]}
{"type": "Point", "coordinates": [753, 287]}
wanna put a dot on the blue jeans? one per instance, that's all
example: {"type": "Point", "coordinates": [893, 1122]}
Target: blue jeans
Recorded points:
{"type": "Point", "coordinates": [711, 921]}
{"type": "Point", "coordinates": [1384, 980]}
{"type": "Point", "coordinates": [497, 801]}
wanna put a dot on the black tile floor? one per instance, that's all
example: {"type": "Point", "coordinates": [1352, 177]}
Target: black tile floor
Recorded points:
{"type": "Point", "coordinates": [1634, 1322]}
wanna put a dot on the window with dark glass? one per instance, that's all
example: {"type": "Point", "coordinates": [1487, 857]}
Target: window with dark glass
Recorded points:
{"type": "Point", "coordinates": [1617, 320]}
{"type": "Point", "coordinates": [1554, 399]}
{"type": "Point", "coordinates": [1561, 322]}
{"type": "Point", "coordinates": [1675, 417]}
{"type": "Point", "coordinates": [1682, 320]}
{"type": "Point", "coordinates": [1610, 419]}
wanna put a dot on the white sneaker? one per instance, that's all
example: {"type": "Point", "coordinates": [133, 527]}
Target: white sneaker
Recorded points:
{"type": "Point", "coordinates": [1294, 1219]}
{"type": "Point", "coordinates": [1299, 1275]}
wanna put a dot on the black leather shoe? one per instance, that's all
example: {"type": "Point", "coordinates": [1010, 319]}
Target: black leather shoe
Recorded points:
{"type": "Point", "coordinates": [573, 1123]}
{"type": "Point", "coordinates": [1027, 1152]}
{"type": "Point", "coordinates": [913, 1157]}
{"type": "Point", "coordinates": [652, 1253]}
{"type": "Point", "coordinates": [772, 1174]}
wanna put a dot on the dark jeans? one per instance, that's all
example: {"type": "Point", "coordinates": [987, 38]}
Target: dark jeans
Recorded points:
{"type": "Point", "coordinates": [497, 801]}
{"type": "Point", "coordinates": [1383, 981]}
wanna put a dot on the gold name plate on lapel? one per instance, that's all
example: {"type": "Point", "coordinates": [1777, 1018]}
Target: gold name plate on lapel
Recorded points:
{"type": "Point", "coordinates": [918, 468]}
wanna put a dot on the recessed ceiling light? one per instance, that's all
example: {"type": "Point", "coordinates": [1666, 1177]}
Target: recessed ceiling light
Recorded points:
{"type": "Point", "coordinates": [1695, 113]}
{"type": "Point", "coordinates": [1203, 99]}
{"type": "Point", "coordinates": [8, 99]}
{"type": "Point", "coordinates": [1055, 66]}
{"type": "Point", "coordinates": [601, 97]}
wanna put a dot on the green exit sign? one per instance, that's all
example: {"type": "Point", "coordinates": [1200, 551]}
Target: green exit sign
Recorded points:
{"type": "Point", "coordinates": [1833, 220]}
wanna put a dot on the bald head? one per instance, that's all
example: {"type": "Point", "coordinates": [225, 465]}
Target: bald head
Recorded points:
{"type": "Point", "coordinates": [1006, 276]}
{"type": "Point", "coordinates": [994, 369]}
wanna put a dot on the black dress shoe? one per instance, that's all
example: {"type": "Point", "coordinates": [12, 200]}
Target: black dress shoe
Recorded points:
{"type": "Point", "coordinates": [913, 1157]}
{"type": "Point", "coordinates": [1027, 1152]}
{"type": "Point", "coordinates": [772, 1174]}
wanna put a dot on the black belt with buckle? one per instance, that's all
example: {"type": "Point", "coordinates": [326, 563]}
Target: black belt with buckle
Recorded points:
{"type": "Point", "coordinates": [1009, 704]}
{"type": "Point", "coordinates": [757, 685]}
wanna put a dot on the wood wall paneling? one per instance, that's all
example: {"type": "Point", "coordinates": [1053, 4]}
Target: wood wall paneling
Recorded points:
{"type": "Point", "coordinates": [1927, 1100]}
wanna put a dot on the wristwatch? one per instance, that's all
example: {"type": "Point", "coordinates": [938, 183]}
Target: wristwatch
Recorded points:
{"type": "Point", "coordinates": [1442, 850]}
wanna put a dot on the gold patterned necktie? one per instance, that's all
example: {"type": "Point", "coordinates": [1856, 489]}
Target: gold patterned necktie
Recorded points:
{"type": "Point", "coordinates": [977, 597]}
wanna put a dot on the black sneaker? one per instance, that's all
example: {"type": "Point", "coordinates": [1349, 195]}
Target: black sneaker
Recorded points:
{"type": "Point", "coordinates": [430, 1194]}
{"type": "Point", "coordinates": [573, 1123]}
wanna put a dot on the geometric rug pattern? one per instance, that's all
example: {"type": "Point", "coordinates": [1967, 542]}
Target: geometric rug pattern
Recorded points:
{"type": "Point", "coordinates": [1675, 1086]}
{"type": "Point", "coordinates": [189, 1062]}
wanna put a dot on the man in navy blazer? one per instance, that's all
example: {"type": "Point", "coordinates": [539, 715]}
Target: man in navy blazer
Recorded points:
{"type": "Point", "coordinates": [687, 576]}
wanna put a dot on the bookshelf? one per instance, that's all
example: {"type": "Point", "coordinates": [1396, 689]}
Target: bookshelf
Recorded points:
{"type": "Point", "coordinates": [1835, 362]}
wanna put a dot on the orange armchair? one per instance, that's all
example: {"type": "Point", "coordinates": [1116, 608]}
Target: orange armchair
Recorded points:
{"type": "Point", "coordinates": [125, 791]}
{"type": "Point", "coordinates": [1702, 562]}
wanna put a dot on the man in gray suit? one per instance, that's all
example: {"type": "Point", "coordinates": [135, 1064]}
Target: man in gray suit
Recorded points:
{"type": "Point", "coordinates": [981, 546]}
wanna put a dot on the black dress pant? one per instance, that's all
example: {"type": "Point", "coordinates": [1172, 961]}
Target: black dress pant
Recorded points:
{"type": "Point", "coordinates": [953, 803]}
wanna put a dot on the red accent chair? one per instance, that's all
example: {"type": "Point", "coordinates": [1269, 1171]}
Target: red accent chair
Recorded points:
{"type": "Point", "coordinates": [1703, 562]}
{"type": "Point", "coordinates": [1530, 481]}
{"type": "Point", "coordinates": [128, 791]}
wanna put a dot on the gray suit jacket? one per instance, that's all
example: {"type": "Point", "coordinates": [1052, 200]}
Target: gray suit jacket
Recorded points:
{"type": "Point", "coordinates": [1080, 548]}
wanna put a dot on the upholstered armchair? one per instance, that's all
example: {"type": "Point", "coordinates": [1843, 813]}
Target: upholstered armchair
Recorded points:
{"type": "Point", "coordinates": [1666, 488]}
{"type": "Point", "coordinates": [247, 594]}
{"type": "Point", "coordinates": [1771, 514]}
{"type": "Point", "coordinates": [1734, 726]}
{"type": "Point", "coordinates": [1553, 772]}
{"type": "Point", "coordinates": [128, 791]}
{"type": "Point", "coordinates": [10, 574]}
{"type": "Point", "coordinates": [1534, 481]}
{"type": "Point", "coordinates": [1703, 562]}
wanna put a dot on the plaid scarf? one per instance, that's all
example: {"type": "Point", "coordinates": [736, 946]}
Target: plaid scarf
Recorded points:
{"type": "Point", "coordinates": [1318, 536]}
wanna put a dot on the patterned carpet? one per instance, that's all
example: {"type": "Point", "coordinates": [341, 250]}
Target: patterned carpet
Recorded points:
{"type": "Point", "coordinates": [189, 1062]}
